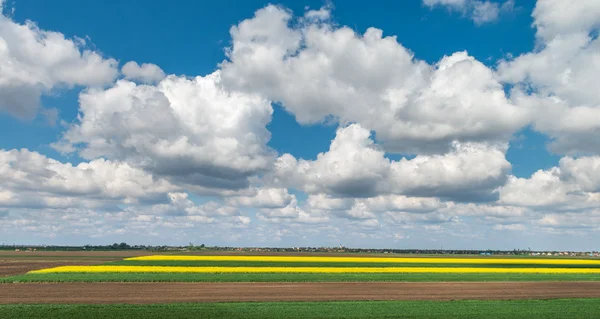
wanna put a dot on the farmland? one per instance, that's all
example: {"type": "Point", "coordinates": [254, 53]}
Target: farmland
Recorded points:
{"type": "Point", "coordinates": [320, 268]}
{"type": "Point", "coordinates": [273, 284]}
{"type": "Point", "coordinates": [515, 309]}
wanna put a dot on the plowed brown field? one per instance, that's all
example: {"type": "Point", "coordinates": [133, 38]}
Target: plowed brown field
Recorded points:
{"type": "Point", "coordinates": [20, 262]}
{"type": "Point", "coordinates": [144, 293]}
{"type": "Point", "coordinates": [79, 253]}
{"type": "Point", "coordinates": [13, 267]}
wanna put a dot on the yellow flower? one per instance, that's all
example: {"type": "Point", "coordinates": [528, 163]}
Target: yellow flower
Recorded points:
{"type": "Point", "coordinates": [374, 260]}
{"type": "Point", "coordinates": [170, 269]}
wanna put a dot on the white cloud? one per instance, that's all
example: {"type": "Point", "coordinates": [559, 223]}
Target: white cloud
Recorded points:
{"type": "Point", "coordinates": [459, 4]}
{"type": "Point", "coordinates": [495, 211]}
{"type": "Point", "coordinates": [292, 213]}
{"type": "Point", "coordinates": [351, 167]}
{"type": "Point", "coordinates": [434, 220]}
{"type": "Point", "coordinates": [264, 198]}
{"type": "Point", "coordinates": [510, 227]}
{"type": "Point", "coordinates": [355, 167]}
{"type": "Point", "coordinates": [181, 205]}
{"type": "Point", "coordinates": [571, 220]}
{"type": "Point", "coordinates": [558, 80]}
{"type": "Point", "coordinates": [156, 142]}
{"type": "Point", "coordinates": [557, 17]}
{"type": "Point", "coordinates": [30, 179]}
{"type": "Point", "coordinates": [176, 222]}
{"type": "Point", "coordinates": [318, 70]}
{"type": "Point", "coordinates": [544, 188]}
{"type": "Point", "coordinates": [573, 185]}
{"type": "Point", "coordinates": [35, 61]}
{"type": "Point", "coordinates": [469, 172]}
{"type": "Point", "coordinates": [323, 13]}
{"type": "Point", "coordinates": [326, 202]}
{"type": "Point", "coordinates": [485, 11]}
{"type": "Point", "coordinates": [479, 11]}
{"type": "Point", "coordinates": [189, 130]}
{"type": "Point", "coordinates": [146, 73]}
{"type": "Point", "coordinates": [403, 203]}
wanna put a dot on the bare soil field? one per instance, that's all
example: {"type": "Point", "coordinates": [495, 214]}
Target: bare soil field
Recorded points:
{"type": "Point", "coordinates": [146, 293]}
{"type": "Point", "coordinates": [12, 267]}
{"type": "Point", "coordinates": [20, 262]}
{"type": "Point", "coordinates": [79, 253]}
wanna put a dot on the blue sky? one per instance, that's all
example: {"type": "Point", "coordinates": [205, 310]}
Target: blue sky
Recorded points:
{"type": "Point", "coordinates": [200, 30]}
{"type": "Point", "coordinates": [300, 123]}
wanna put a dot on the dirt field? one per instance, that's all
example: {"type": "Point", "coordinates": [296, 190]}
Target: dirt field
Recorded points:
{"type": "Point", "coordinates": [15, 262]}
{"type": "Point", "coordinates": [116, 253]}
{"type": "Point", "coordinates": [17, 267]}
{"type": "Point", "coordinates": [144, 293]}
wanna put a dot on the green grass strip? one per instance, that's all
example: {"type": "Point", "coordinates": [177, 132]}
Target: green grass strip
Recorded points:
{"type": "Point", "coordinates": [291, 277]}
{"type": "Point", "coordinates": [513, 309]}
{"type": "Point", "coordinates": [213, 263]}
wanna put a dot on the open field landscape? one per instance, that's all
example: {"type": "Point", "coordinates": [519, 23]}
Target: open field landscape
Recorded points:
{"type": "Point", "coordinates": [300, 159]}
{"type": "Point", "coordinates": [19, 262]}
{"type": "Point", "coordinates": [124, 284]}
{"type": "Point", "coordinates": [316, 268]}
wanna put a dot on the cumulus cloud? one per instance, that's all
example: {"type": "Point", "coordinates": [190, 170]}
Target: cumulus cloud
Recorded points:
{"type": "Point", "coordinates": [170, 223]}
{"type": "Point", "coordinates": [319, 71]}
{"type": "Point", "coordinates": [386, 203]}
{"type": "Point", "coordinates": [558, 80]}
{"type": "Point", "coordinates": [153, 144]}
{"type": "Point", "coordinates": [573, 185]}
{"type": "Point", "coordinates": [292, 213]}
{"type": "Point", "coordinates": [264, 198]}
{"type": "Point", "coordinates": [34, 62]}
{"type": "Point", "coordinates": [323, 13]}
{"type": "Point", "coordinates": [146, 73]}
{"type": "Point", "coordinates": [555, 17]}
{"type": "Point", "coordinates": [189, 130]}
{"type": "Point", "coordinates": [355, 167]}
{"type": "Point", "coordinates": [181, 205]}
{"type": "Point", "coordinates": [30, 179]}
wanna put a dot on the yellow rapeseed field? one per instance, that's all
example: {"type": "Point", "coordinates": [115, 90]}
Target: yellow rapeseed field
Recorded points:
{"type": "Point", "coordinates": [372, 260]}
{"type": "Point", "coordinates": [169, 269]}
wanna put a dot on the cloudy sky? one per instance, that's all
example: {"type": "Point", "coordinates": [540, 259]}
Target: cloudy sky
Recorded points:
{"type": "Point", "coordinates": [468, 124]}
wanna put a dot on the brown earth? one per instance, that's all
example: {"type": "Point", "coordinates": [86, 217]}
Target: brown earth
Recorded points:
{"type": "Point", "coordinates": [19, 262]}
{"type": "Point", "coordinates": [11, 267]}
{"type": "Point", "coordinates": [145, 293]}
{"type": "Point", "coordinates": [78, 253]}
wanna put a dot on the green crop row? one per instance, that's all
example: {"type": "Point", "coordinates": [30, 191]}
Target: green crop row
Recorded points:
{"type": "Point", "coordinates": [212, 263]}
{"type": "Point", "coordinates": [513, 309]}
{"type": "Point", "coordinates": [291, 277]}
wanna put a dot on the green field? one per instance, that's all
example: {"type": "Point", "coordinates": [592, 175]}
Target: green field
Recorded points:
{"type": "Point", "coordinates": [515, 309]}
{"type": "Point", "coordinates": [290, 277]}
{"type": "Point", "coordinates": [306, 277]}
{"type": "Point", "coordinates": [212, 263]}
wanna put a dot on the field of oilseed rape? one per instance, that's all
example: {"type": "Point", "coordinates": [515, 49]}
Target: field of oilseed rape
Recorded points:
{"type": "Point", "coordinates": [320, 268]}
